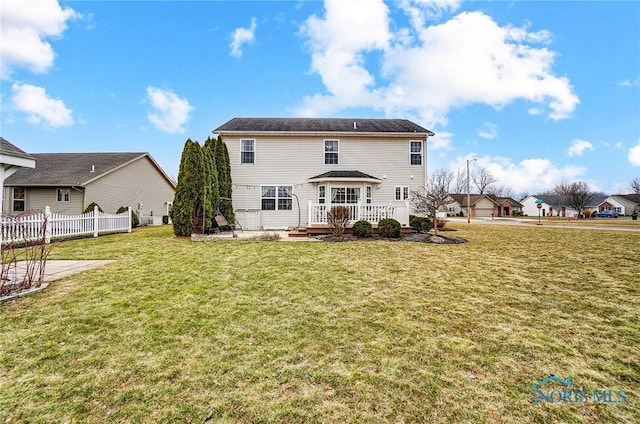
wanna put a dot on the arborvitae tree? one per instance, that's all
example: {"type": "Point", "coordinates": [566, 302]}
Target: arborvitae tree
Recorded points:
{"type": "Point", "coordinates": [223, 166]}
{"type": "Point", "coordinates": [188, 211]}
{"type": "Point", "coordinates": [212, 184]}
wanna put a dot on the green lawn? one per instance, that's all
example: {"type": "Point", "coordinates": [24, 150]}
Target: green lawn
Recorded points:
{"type": "Point", "coordinates": [377, 331]}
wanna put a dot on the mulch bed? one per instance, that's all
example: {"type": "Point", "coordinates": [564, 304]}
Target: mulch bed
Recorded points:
{"type": "Point", "coordinates": [418, 237]}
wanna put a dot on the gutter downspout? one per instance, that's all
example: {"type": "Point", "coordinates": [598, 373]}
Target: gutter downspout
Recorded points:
{"type": "Point", "coordinates": [426, 175]}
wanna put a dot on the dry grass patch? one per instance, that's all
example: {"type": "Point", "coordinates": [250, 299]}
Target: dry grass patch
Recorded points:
{"type": "Point", "coordinates": [248, 331]}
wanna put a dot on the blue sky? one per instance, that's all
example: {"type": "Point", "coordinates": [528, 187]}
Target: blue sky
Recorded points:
{"type": "Point", "coordinates": [540, 92]}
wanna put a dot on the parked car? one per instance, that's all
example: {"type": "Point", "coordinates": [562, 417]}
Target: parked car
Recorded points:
{"type": "Point", "coordinates": [607, 214]}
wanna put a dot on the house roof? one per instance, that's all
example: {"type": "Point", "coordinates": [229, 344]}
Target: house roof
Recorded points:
{"type": "Point", "coordinates": [321, 125]}
{"type": "Point", "coordinates": [74, 169]}
{"type": "Point", "coordinates": [8, 149]}
{"type": "Point", "coordinates": [633, 198]}
{"type": "Point", "coordinates": [474, 198]}
{"type": "Point", "coordinates": [344, 175]}
{"type": "Point", "coordinates": [560, 201]}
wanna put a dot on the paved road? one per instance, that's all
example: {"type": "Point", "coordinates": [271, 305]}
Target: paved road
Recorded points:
{"type": "Point", "coordinates": [534, 223]}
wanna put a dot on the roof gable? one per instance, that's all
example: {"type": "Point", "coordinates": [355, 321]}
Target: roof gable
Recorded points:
{"type": "Point", "coordinates": [321, 125]}
{"type": "Point", "coordinates": [74, 169]}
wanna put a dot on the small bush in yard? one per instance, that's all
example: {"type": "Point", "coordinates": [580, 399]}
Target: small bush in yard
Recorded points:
{"type": "Point", "coordinates": [389, 227]}
{"type": "Point", "coordinates": [91, 206]}
{"type": "Point", "coordinates": [441, 222]}
{"type": "Point", "coordinates": [135, 221]}
{"type": "Point", "coordinates": [420, 224]}
{"type": "Point", "coordinates": [362, 228]}
{"type": "Point", "coordinates": [338, 218]}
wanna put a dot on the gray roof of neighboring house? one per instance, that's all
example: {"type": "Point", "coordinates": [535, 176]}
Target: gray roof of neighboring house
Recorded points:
{"type": "Point", "coordinates": [344, 174]}
{"type": "Point", "coordinates": [633, 198]}
{"type": "Point", "coordinates": [474, 198]}
{"type": "Point", "coordinates": [6, 148]}
{"type": "Point", "coordinates": [558, 200]}
{"type": "Point", "coordinates": [328, 125]}
{"type": "Point", "coordinates": [73, 169]}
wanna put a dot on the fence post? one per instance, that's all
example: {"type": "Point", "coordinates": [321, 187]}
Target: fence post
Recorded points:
{"type": "Point", "coordinates": [95, 221]}
{"type": "Point", "coordinates": [129, 210]}
{"type": "Point", "coordinates": [47, 224]}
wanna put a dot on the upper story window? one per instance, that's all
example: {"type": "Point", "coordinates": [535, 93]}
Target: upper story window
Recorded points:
{"type": "Point", "coordinates": [331, 152]}
{"type": "Point", "coordinates": [19, 199]}
{"type": "Point", "coordinates": [247, 151]}
{"type": "Point", "coordinates": [64, 194]}
{"type": "Point", "coordinates": [415, 151]}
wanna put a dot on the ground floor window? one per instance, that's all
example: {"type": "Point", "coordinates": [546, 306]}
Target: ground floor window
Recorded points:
{"type": "Point", "coordinates": [345, 194]}
{"type": "Point", "coordinates": [277, 198]}
{"type": "Point", "coordinates": [19, 199]}
{"type": "Point", "coordinates": [367, 191]}
{"type": "Point", "coordinates": [402, 193]}
{"type": "Point", "coordinates": [322, 194]}
{"type": "Point", "coordinates": [64, 194]}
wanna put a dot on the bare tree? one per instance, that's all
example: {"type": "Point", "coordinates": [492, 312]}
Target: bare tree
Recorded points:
{"type": "Point", "coordinates": [634, 185]}
{"type": "Point", "coordinates": [501, 190]}
{"type": "Point", "coordinates": [460, 183]}
{"type": "Point", "coordinates": [436, 195]}
{"type": "Point", "coordinates": [483, 180]}
{"type": "Point", "coordinates": [576, 194]}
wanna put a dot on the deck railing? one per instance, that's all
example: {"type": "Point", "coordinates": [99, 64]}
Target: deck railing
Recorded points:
{"type": "Point", "coordinates": [49, 226]}
{"type": "Point", "coordinates": [359, 211]}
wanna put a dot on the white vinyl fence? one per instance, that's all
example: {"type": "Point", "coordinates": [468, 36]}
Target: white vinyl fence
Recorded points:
{"type": "Point", "coordinates": [50, 226]}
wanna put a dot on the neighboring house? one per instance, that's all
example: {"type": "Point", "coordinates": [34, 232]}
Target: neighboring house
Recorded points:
{"type": "Point", "coordinates": [11, 159]}
{"type": "Point", "coordinates": [624, 204]}
{"type": "Point", "coordinates": [483, 206]}
{"type": "Point", "coordinates": [69, 182]}
{"type": "Point", "coordinates": [556, 205]}
{"type": "Point", "coordinates": [288, 172]}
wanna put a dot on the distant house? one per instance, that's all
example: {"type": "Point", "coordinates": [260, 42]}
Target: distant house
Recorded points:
{"type": "Point", "coordinates": [11, 159]}
{"type": "Point", "coordinates": [556, 205]}
{"type": "Point", "coordinates": [624, 204]}
{"type": "Point", "coordinates": [483, 206]}
{"type": "Point", "coordinates": [69, 182]}
{"type": "Point", "coordinates": [289, 172]}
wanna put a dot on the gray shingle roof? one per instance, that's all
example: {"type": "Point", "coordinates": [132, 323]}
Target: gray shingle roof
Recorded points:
{"type": "Point", "coordinates": [344, 174]}
{"type": "Point", "coordinates": [68, 169]}
{"type": "Point", "coordinates": [6, 148]}
{"type": "Point", "coordinates": [328, 125]}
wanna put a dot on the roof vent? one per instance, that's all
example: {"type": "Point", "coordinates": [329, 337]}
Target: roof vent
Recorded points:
{"type": "Point", "coordinates": [355, 125]}
{"type": "Point", "coordinates": [93, 168]}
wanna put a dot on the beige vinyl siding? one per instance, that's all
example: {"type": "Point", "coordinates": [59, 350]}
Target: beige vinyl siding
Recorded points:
{"type": "Point", "coordinates": [137, 182]}
{"type": "Point", "coordinates": [37, 198]}
{"type": "Point", "coordinates": [292, 160]}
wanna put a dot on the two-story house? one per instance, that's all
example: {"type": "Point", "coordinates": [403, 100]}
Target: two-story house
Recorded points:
{"type": "Point", "coordinates": [288, 172]}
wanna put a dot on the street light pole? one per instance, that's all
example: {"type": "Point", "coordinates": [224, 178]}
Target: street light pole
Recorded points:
{"type": "Point", "coordinates": [468, 193]}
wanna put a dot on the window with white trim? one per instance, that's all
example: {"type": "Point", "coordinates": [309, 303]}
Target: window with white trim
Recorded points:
{"type": "Point", "coordinates": [278, 198]}
{"type": "Point", "coordinates": [247, 151]}
{"type": "Point", "coordinates": [331, 152]}
{"type": "Point", "coordinates": [402, 192]}
{"type": "Point", "coordinates": [322, 194]}
{"type": "Point", "coordinates": [415, 152]}
{"type": "Point", "coordinates": [19, 199]}
{"type": "Point", "coordinates": [342, 195]}
{"type": "Point", "coordinates": [367, 194]}
{"type": "Point", "coordinates": [63, 194]}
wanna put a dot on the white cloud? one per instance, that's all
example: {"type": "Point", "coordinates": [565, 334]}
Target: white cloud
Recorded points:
{"type": "Point", "coordinates": [634, 155]}
{"type": "Point", "coordinates": [39, 107]}
{"type": "Point", "coordinates": [440, 141]}
{"type": "Point", "coordinates": [25, 26]}
{"type": "Point", "coordinates": [530, 175]}
{"type": "Point", "coordinates": [469, 59]}
{"type": "Point", "coordinates": [242, 36]}
{"type": "Point", "coordinates": [170, 112]}
{"type": "Point", "coordinates": [627, 83]}
{"type": "Point", "coordinates": [488, 130]}
{"type": "Point", "coordinates": [578, 147]}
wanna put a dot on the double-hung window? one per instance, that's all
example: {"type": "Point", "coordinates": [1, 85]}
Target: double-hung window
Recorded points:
{"type": "Point", "coordinates": [345, 195]}
{"type": "Point", "coordinates": [415, 152]}
{"type": "Point", "coordinates": [322, 194]}
{"type": "Point", "coordinates": [367, 191]}
{"type": "Point", "coordinates": [402, 193]}
{"type": "Point", "coordinates": [331, 152]}
{"type": "Point", "coordinates": [63, 194]}
{"type": "Point", "coordinates": [278, 198]}
{"type": "Point", "coordinates": [247, 151]}
{"type": "Point", "coordinates": [19, 199]}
